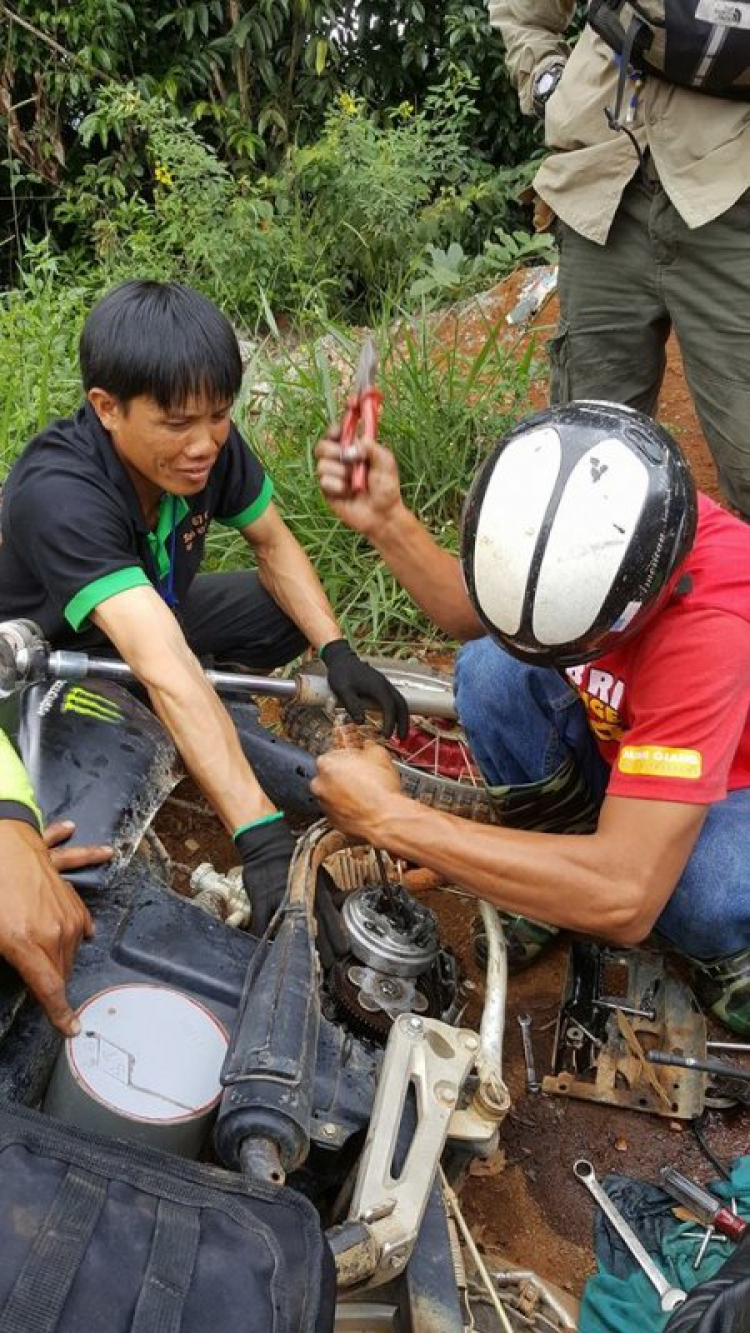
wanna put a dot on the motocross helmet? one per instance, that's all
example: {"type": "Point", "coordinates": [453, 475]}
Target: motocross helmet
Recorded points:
{"type": "Point", "coordinates": [574, 529]}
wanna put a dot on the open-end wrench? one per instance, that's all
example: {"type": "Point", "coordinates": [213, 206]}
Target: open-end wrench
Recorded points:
{"type": "Point", "coordinates": [669, 1297]}
{"type": "Point", "coordinates": [532, 1082]}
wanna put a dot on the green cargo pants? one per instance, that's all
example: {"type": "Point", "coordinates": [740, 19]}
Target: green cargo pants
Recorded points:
{"type": "Point", "coordinates": [619, 301]}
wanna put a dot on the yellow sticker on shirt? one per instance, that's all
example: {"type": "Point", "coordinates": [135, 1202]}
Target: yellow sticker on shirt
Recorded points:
{"type": "Point", "coordinates": [660, 761]}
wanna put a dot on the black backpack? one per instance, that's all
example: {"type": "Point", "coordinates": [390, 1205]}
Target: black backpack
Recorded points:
{"type": "Point", "coordinates": [97, 1234]}
{"type": "Point", "coordinates": [698, 44]}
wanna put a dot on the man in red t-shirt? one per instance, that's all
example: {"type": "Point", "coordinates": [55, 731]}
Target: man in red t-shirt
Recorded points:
{"type": "Point", "coordinates": [612, 698]}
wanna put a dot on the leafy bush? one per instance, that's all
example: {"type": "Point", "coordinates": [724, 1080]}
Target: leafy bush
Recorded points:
{"type": "Point", "coordinates": [345, 224]}
{"type": "Point", "coordinates": [256, 79]}
{"type": "Point", "coordinates": [186, 219]}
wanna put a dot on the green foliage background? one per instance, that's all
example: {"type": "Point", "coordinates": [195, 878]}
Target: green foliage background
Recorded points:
{"type": "Point", "coordinates": [253, 79]}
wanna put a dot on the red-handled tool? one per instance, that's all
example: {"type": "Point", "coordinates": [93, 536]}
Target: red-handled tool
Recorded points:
{"type": "Point", "coordinates": [362, 411]}
{"type": "Point", "coordinates": [703, 1203]}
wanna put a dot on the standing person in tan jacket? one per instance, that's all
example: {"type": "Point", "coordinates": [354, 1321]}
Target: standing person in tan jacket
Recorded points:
{"type": "Point", "coordinates": [653, 213]}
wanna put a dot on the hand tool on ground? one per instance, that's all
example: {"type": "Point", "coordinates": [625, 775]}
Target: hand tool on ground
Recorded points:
{"type": "Point", "coordinates": [702, 1203]}
{"type": "Point", "coordinates": [362, 410]}
{"type": "Point", "coordinates": [698, 1260]}
{"type": "Point", "coordinates": [532, 1082]}
{"type": "Point", "coordinates": [669, 1297]}
{"type": "Point", "coordinates": [708, 1065]}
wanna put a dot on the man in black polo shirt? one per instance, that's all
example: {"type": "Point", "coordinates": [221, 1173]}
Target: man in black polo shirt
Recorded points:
{"type": "Point", "coordinates": [103, 525]}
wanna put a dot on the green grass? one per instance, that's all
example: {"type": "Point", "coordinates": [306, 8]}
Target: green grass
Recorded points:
{"type": "Point", "coordinates": [443, 410]}
{"type": "Point", "coordinates": [40, 323]}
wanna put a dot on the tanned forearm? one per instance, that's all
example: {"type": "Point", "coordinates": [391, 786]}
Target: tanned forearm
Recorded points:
{"type": "Point", "coordinates": [191, 711]}
{"type": "Point", "coordinates": [553, 878]}
{"type": "Point", "coordinates": [430, 574]}
{"type": "Point", "coordinates": [149, 639]}
{"type": "Point", "coordinates": [288, 576]}
{"type": "Point", "coordinates": [614, 882]}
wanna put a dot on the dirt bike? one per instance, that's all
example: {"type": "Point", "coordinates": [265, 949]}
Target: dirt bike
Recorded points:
{"type": "Point", "coordinates": [357, 1087]}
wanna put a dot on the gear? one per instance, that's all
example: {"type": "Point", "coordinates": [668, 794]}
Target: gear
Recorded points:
{"type": "Point", "coordinates": [371, 1000]}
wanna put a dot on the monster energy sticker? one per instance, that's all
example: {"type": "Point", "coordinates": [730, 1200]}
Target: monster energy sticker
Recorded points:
{"type": "Point", "coordinates": [87, 703]}
{"type": "Point", "coordinates": [724, 13]}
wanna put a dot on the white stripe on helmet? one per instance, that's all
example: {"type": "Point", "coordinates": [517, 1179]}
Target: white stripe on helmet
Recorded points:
{"type": "Point", "coordinates": [593, 527]}
{"type": "Point", "coordinates": [512, 511]}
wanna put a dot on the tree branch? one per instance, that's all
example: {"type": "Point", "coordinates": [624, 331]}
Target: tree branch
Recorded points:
{"type": "Point", "coordinates": [54, 46]}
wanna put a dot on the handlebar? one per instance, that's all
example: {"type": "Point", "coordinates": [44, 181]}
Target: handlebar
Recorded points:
{"type": "Point", "coordinates": [26, 657]}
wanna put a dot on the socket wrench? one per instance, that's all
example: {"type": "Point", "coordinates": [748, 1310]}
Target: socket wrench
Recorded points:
{"type": "Point", "coordinates": [669, 1297]}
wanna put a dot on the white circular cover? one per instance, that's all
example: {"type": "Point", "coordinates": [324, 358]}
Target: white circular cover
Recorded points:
{"type": "Point", "coordinates": [148, 1052]}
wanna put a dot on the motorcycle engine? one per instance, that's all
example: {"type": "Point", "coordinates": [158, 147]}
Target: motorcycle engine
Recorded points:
{"type": "Point", "coordinates": [397, 963]}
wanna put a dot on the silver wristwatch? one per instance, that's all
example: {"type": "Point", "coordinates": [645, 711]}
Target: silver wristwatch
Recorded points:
{"type": "Point", "coordinates": [544, 85]}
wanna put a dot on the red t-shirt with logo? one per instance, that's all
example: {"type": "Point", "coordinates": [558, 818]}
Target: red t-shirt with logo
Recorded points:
{"type": "Point", "coordinates": [671, 709]}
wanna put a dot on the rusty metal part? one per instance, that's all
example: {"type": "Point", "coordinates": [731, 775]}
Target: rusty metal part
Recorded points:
{"type": "Point", "coordinates": [601, 1055]}
{"type": "Point", "coordinates": [634, 1046]}
{"type": "Point", "coordinates": [354, 867]}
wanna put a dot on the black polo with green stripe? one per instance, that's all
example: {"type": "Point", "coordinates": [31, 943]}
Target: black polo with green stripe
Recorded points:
{"type": "Point", "coordinates": [73, 533]}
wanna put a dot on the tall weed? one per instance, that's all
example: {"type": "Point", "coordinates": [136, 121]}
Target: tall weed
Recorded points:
{"type": "Point", "coordinates": [443, 410]}
{"type": "Point", "coordinates": [40, 322]}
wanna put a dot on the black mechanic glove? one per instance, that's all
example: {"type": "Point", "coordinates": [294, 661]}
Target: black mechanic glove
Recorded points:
{"type": "Point", "coordinates": [266, 850]}
{"type": "Point", "coordinates": [332, 939]}
{"type": "Point", "coordinates": [358, 686]}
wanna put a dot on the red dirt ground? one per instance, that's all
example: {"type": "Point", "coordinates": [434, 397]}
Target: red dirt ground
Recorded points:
{"type": "Point", "coordinates": [527, 1203]}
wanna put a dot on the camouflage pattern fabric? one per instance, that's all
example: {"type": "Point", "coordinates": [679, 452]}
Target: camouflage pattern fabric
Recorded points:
{"type": "Point", "coordinates": [723, 988]}
{"type": "Point", "coordinates": [561, 803]}
{"type": "Point", "coordinates": [525, 939]}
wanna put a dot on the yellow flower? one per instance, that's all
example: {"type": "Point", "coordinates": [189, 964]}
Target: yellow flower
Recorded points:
{"type": "Point", "coordinates": [405, 110]}
{"type": "Point", "coordinates": [164, 175]}
{"type": "Point", "coordinates": [348, 104]}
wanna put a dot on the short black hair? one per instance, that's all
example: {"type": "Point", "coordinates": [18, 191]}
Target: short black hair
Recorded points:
{"type": "Point", "coordinates": [160, 340]}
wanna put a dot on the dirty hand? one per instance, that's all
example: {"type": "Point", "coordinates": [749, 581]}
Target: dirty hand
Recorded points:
{"type": "Point", "coordinates": [42, 919]}
{"type": "Point", "coordinates": [353, 787]}
{"type": "Point", "coordinates": [367, 510]}
{"type": "Point", "coordinates": [65, 859]}
{"type": "Point", "coordinates": [358, 686]}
